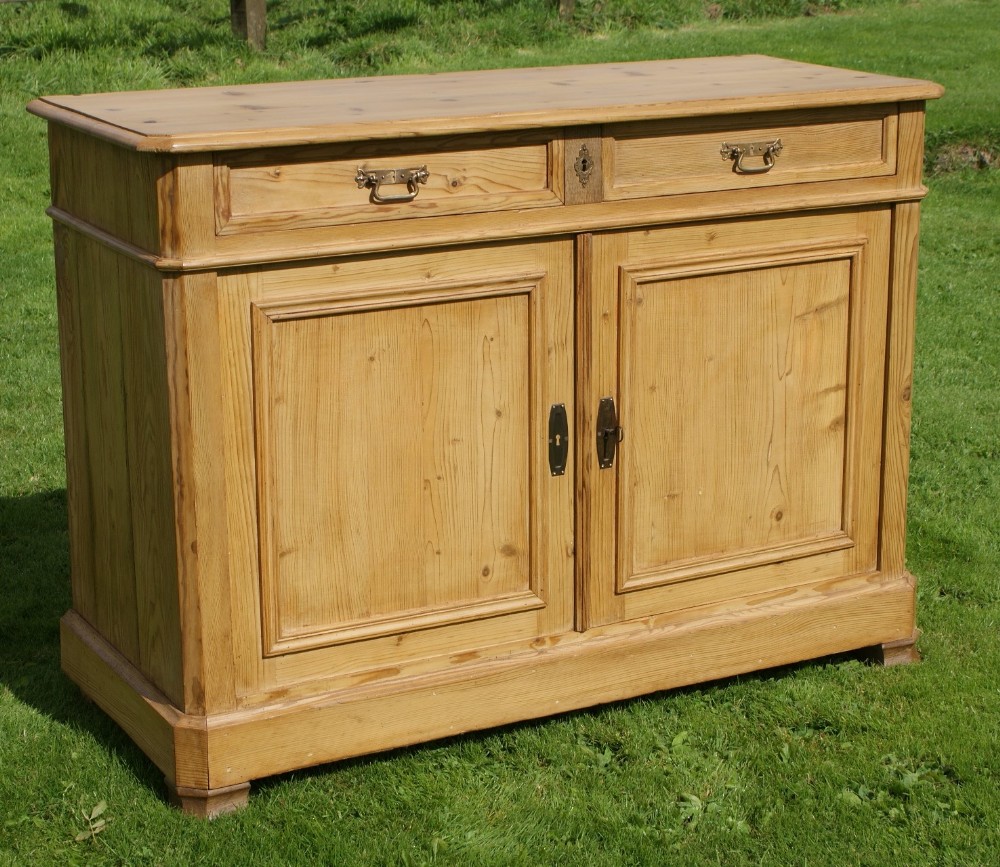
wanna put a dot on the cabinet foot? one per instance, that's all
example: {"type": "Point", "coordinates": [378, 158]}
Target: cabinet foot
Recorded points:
{"type": "Point", "coordinates": [903, 651]}
{"type": "Point", "coordinates": [209, 803]}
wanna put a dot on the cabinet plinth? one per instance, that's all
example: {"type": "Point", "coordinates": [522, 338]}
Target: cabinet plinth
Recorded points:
{"type": "Point", "coordinates": [505, 394]}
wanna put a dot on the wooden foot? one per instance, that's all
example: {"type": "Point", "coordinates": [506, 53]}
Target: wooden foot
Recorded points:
{"type": "Point", "coordinates": [209, 803]}
{"type": "Point", "coordinates": [900, 652]}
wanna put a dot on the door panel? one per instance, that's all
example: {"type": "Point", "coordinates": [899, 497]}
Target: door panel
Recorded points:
{"type": "Point", "coordinates": [400, 417]}
{"type": "Point", "coordinates": [748, 376]}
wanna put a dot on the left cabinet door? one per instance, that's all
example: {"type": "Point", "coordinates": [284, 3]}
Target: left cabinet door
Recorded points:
{"type": "Point", "coordinates": [394, 410]}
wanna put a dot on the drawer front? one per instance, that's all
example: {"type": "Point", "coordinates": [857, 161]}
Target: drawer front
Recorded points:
{"type": "Point", "coordinates": [643, 159]}
{"type": "Point", "coordinates": [289, 188]}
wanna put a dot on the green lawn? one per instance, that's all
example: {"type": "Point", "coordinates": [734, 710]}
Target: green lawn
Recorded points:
{"type": "Point", "coordinates": [831, 763]}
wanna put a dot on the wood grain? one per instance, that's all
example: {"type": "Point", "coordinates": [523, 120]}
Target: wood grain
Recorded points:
{"type": "Point", "coordinates": [233, 117]}
{"type": "Point", "coordinates": [409, 500]}
{"type": "Point", "coordinates": [583, 671]}
{"type": "Point", "coordinates": [265, 190]}
{"type": "Point", "coordinates": [119, 689]}
{"type": "Point", "coordinates": [196, 422]}
{"type": "Point", "coordinates": [757, 356]}
{"type": "Point", "coordinates": [203, 250]}
{"type": "Point", "coordinates": [99, 293]}
{"type": "Point", "coordinates": [78, 484]}
{"type": "Point", "coordinates": [120, 488]}
{"type": "Point", "coordinates": [150, 478]}
{"type": "Point", "coordinates": [899, 390]}
{"type": "Point", "coordinates": [577, 675]}
{"type": "Point", "coordinates": [683, 156]}
{"type": "Point", "coordinates": [369, 418]}
{"type": "Point", "coordinates": [235, 294]}
{"type": "Point", "coordinates": [774, 350]}
{"type": "Point", "coordinates": [81, 172]}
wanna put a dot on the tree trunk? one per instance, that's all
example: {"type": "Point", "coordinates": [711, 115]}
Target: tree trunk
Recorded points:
{"type": "Point", "coordinates": [249, 21]}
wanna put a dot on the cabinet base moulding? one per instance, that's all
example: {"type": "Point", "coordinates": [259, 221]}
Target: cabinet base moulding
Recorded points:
{"type": "Point", "coordinates": [228, 750]}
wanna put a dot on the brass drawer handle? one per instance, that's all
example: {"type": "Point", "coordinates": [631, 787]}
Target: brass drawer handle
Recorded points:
{"type": "Point", "coordinates": [375, 178]}
{"type": "Point", "coordinates": [738, 152]}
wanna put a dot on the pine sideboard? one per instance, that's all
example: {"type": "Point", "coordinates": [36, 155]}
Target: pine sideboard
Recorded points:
{"type": "Point", "coordinates": [402, 407]}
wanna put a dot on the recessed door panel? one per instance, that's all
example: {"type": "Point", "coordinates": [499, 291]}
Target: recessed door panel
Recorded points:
{"type": "Point", "coordinates": [737, 434]}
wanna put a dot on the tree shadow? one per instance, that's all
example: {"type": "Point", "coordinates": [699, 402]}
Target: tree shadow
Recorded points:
{"type": "Point", "coordinates": [156, 33]}
{"type": "Point", "coordinates": [34, 594]}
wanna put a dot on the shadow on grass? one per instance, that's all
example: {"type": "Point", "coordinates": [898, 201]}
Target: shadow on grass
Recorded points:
{"type": "Point", "coordinates": [34, 594]}
{"type": "Point", "coordinates": [158, 33]}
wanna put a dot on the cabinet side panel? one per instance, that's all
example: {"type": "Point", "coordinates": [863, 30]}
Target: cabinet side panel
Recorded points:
{"type": "Point", "coordinates": [78, 481]}
{"type": "Point", "coordinates": [120, 489]}
{"type": "Point", "coordinates": [107, 186]}
{"type": "Point", "coordinates": [103, 527]}
{"type": "Point", "coordinates": [150, 477]}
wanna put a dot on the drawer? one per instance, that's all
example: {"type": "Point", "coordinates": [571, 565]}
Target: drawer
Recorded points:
{"type": "Point", "coordinates": [690, 156]}
{"type": "Point", "coordinates": [302, 187]}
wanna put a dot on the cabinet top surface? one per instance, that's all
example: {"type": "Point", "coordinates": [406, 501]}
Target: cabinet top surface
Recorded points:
{"type": "Point", "coordinates": [262, 115]}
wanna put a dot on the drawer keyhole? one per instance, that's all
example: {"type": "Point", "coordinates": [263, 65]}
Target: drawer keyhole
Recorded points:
{"type": "Point", "coordinates": [584, 165]}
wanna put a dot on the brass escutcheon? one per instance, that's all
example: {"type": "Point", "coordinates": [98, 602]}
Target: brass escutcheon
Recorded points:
{"type": "Point", "coordinates": [584, 165]}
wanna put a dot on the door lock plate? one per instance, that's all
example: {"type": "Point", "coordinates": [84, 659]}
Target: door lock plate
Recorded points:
{"type": "Point", "coordinates": [609, 432]}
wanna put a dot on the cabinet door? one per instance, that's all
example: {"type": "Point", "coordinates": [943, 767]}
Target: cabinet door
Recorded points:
{"type": "Point", "coordinates": [746, 359]}
{"type": "Point", "coordinates": [400, 458]}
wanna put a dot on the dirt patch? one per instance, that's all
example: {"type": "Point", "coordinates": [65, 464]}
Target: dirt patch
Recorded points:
{"type": "Point", "coordinates": [953, 158]}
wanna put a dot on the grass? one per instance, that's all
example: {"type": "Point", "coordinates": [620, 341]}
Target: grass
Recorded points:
{"type": "Point", "coordinates": [828, 763]}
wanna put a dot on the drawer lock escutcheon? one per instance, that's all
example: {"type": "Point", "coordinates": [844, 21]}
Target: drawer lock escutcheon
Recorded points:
{"type": "Point", "coordinates": [768, 151]}
{"type": "Point", "coordinates": [375, 178]}
{"type": "Point", "coordinates": [609, 432]}
{"type": "Point", "coordinates": [584, 165]}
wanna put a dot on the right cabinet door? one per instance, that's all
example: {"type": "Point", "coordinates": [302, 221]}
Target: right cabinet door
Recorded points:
{"type": "Point", "coordinates": [746, 360]}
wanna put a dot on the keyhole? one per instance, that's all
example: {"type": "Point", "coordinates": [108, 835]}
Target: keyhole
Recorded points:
{"type": "Point", "coordinates": [584, 164]}
{"type": "Point", "coordinates": [558, 440]}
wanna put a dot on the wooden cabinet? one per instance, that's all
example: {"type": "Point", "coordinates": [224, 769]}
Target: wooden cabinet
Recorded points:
{"type": "Point", "coordinates": [398, 408]}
